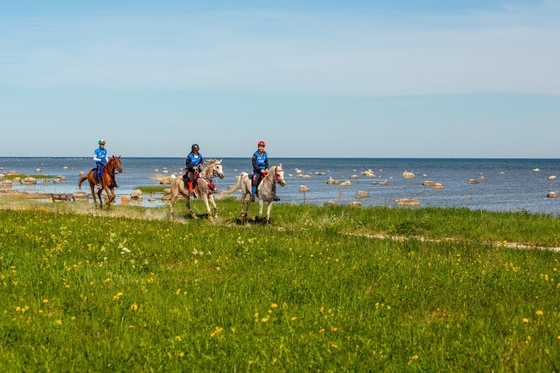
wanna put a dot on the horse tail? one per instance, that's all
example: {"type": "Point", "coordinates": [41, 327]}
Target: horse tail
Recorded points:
{"type": "Point", "coordinates": [236, 186]}
{"type": "Point", "coordinates": [82, 179]}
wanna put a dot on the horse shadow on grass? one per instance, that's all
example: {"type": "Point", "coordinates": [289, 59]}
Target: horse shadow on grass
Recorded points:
{"type": "Point", "coordinates": [254, 220]}
{"type": "Point", "coordinates": [187, 217]}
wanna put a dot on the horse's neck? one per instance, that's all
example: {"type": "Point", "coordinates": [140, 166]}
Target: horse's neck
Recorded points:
{"type": "Point", "coordinates": [269, 179]}
{"type": "Point", "coordinates": [208, 170]}
{"type": "Point", "coordinates": [109, 168]}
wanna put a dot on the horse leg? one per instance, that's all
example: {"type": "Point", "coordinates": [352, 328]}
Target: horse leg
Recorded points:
{"type": "Point", "coordinates": [172, 203]}
{"type": "Point", "coordinates": [211, 198]}
{"type": "Point", "coordinates": [92, 187]}
{"type": "Point", "coordinates": [243, 215]}
{"type": "Point", "coordinates": [109, 195]}
{"type": "Point", "coordinates": [188, 202]}
{"type": "Point", "coordinates": [261, 204]}
{"type": "Point", "coordinates": [112, 198]}
{"type": "Point", "coordinates": [268, 212]}
{"type": "Point", "coordinates": [205, 200]}
{"type": "Point", "coordinates": [100, 199]}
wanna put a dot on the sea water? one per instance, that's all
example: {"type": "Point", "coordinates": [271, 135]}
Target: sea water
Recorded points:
{"type": "Point", "coordinates": [508, 185]}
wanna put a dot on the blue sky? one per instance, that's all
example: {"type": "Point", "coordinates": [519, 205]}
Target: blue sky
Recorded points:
{"type": "Point", "coordinates": [318, 79]}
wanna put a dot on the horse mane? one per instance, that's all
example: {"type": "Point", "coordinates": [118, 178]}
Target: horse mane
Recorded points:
{"type": "Point", "coordinates": [208, 165]}
{"type": "Point", "coordinates": [210, 162]}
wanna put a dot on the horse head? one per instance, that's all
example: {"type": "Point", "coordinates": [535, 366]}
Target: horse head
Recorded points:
{"type": "Point", "coordinates": [115, 162]}
{"type": "Point", "coordinates": [213, 169]}
{"type": "Point", "coordinates": [217, 169]}
{"type": "Point", "coordinates": [279, 175]}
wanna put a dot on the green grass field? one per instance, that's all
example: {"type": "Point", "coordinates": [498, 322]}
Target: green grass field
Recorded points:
{"type": "Point", "coordinates": [438, 290]}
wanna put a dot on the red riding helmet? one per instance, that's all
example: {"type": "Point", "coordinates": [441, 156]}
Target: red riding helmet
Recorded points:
{"type": "Point", "coordinates": [261, 143]}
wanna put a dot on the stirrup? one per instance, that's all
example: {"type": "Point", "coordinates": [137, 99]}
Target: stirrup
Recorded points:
{"type": "Point", "coordinates": [252, 199]}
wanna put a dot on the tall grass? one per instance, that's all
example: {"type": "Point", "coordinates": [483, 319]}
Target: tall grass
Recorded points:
{"type": "Point", "coordinates": [99, 293]}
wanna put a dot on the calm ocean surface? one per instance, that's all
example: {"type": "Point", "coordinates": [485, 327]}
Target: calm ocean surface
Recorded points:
{"type": "Point", "coordinates": [509, 184]}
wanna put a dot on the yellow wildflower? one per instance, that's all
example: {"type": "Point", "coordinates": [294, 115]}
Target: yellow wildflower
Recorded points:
{"type": "Point", "coordinates": [216, 331]}
{"type": "Point", "coordinates": [525, 320]}
{"type": "Point", "coordinates": [539, 312]}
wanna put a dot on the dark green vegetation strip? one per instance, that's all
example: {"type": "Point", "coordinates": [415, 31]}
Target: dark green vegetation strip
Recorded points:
{"type": "Point", "coordinates": [153, 188]}
{"type": "Point", "coordinates": [97, 293]}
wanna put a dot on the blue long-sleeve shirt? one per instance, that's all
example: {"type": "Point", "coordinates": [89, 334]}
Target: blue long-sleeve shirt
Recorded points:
{"type": "Point", "coordinates": [100, 156]}
{"type": "Point", "coordinates": [193, 160]}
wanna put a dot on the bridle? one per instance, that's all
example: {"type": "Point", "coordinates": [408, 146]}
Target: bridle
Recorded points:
{"type": "Point", "coordinates": [215, 172]}
{"type": "Point", "coordinates": [276, 179]}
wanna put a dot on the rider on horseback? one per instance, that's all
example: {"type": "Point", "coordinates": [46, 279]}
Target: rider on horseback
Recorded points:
{"type": "Point", "coordinates": [260, 169]}
{"type": "Point", "coordinates": [101, 160]}
{"type": "Point", "coordinates": [194, 165]}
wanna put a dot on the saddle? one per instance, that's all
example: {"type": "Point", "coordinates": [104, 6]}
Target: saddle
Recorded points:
{"type": "Point", "coordinates": [210, 185]}
{"type": "Point", "coordinates": [98, 177]}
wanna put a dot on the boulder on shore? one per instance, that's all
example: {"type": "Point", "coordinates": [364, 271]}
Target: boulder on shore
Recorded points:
{"type": "Point", "coordinates": [80, 196]}
{"type": "Point", "coordinates": [29, 180]}
{"type": "Point", "coordinates": [407, 202]}
{"type": "Point", "coordinates": [136, 194]}
{"type": "Point", "coordinates": [354, 204]}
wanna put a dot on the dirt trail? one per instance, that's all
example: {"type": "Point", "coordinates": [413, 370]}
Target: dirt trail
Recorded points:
{"type": "Point", "coordinates": [509, 245]}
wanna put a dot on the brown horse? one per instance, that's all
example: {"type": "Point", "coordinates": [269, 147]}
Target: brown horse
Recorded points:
{"type": "Point", "coordinates": [107, 183]}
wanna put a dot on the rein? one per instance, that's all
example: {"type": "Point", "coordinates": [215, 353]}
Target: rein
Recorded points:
{"type": "Point", "coordinates": [274, 180]}
{"type": "Point", "coordinates": [214, 173]}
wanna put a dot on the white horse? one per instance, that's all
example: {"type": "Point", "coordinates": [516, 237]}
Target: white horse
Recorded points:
{"type": "Point", "coordinates": [212, 169]}
{"type": "Point", "coordinates": [265, 191]}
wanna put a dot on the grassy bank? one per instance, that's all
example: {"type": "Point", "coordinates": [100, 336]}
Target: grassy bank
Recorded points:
{"type": "Point", "coordinates": [93, 291]}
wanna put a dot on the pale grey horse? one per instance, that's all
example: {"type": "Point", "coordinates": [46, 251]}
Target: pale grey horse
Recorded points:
{"type": "Point", "coordinates": [212, 169]}
{"type": "Point", "coordinates": [265, 191]}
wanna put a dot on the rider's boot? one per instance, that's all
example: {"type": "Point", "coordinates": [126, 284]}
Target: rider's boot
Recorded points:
{"type": "Point", "coordinates": [190, 186]}
{"type": "Point", "coordinates": [253, 191]}
{"type": "Point", "coordinates": [276, 198]}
